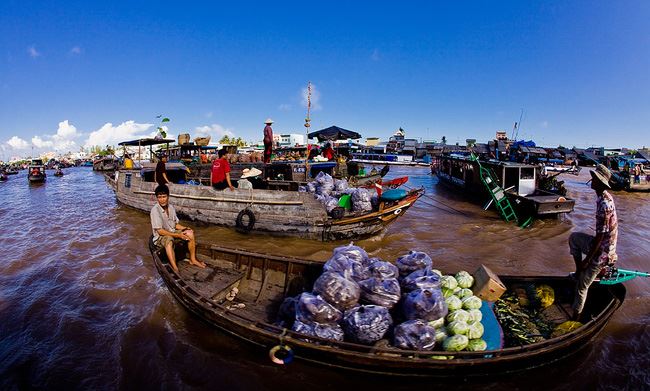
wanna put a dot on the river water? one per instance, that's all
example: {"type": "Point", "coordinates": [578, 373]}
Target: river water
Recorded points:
{"type": "Point", "coordinates": [82, 306]}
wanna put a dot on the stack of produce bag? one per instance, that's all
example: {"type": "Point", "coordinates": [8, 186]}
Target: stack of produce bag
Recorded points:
{"type": "Point", "coordinates": [316, 317]}
{"type": "Point", "coordinates": [361, 200]}
{"type": "Point", "coordinates": [357, 299]}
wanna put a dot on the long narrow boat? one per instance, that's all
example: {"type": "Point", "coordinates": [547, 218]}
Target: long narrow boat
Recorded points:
{"type": "Point", "coordinates": [288, 213]}
{"type": "Point", "coordinates": [264, 280]}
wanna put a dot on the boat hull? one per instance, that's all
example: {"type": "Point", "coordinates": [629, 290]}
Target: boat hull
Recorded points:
{"type": "Point", "coordinates": [271, 277]}
{"type": "Point", "coordinates": [285, 213]}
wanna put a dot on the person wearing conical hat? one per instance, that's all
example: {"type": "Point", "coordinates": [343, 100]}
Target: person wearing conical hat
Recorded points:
{"type": "Point", "coordinates": [268, 140]}
{"type": "Point", "coordinates": [600, 250]}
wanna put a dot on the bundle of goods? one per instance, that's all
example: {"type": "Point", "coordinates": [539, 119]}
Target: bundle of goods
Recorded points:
{"type": "Point", "coordinates": [328, 191]}
{"type": "Point", "coordinates": [202, 141]}
{"type": "Point", "coordinates": [527, 315]}
{"type": "Point", "coordinates": [358, 298]}
{"type": "Point", "coordinates": [253, 157]}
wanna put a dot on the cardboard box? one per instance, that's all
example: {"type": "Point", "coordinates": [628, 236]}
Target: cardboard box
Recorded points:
{"type": "Point", "coordinates": [487, 285]}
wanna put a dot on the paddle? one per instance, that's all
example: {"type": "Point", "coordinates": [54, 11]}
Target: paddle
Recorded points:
{"type": "Point", "coordinates": [621, 275]}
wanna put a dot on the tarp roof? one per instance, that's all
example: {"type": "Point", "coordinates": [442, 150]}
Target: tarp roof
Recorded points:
{"type": "Point", "coordinates": [644, 154]}
{"type": "Point", "coordinates": [147, 141]}
{"type": "Point", "coordinates": [333, 133]}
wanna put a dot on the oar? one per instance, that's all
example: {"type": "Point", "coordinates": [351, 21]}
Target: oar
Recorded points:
{"type": "Point", "coordinates": [622, 275]}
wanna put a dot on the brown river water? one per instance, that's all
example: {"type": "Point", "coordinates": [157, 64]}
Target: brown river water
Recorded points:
{"type": "Point", "coordinates": [82, 306]}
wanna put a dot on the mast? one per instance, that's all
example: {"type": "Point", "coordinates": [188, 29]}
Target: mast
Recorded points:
{"type": "Point", "coordinates": [307, 126]}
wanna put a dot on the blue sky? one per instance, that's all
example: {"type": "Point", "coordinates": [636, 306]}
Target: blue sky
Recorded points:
{"type": "Point", "coordinates": [85, 73]}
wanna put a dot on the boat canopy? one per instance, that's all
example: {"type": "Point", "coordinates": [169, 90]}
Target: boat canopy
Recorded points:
{"type": "Point", "coordinates": [147, 141]}
{"type": "Point", "coordinates": [333, 133]}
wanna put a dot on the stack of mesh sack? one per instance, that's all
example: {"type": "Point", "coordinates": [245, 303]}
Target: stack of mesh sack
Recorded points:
{"type": "Point", "coordinates": [423, 306]}
{"type": "Point", "coordinates": [327, 190]}
{"type": "Point", "coordinates": [361, 200]}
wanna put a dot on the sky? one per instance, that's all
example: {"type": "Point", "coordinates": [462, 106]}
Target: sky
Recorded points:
{"type": "Point", "coordinates": [77, 74]}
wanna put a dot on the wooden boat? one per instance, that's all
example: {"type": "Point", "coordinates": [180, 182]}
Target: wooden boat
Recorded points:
{"type": "Point", "coordinates": [288, 213]}
{"type": "Point", "coordinates": [3, 177]}
{"type": "Point", "coordinates": [623, 180]}
{"type": "Point", "coordinates": [264, 281]}
{"type": "Point", "coordinates": [106, 163]}
{"type": "Point", "coordinates": [36, 171]}
{"type": "Point", "coordinates": [58, 172]}
{"type": "Point", "coordinates": [520, 182]}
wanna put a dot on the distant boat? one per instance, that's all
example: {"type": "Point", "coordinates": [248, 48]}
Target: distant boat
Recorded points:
{"type": "Point", "coordinates": [387, 158]}
{"type": "Point", "coordinates": [36, 171]}
{"type": "Point", "coordinates": [519, 182]}
{"type": "Point", "coordinates": [58, 172]}
{"type": "Point", "coordinates": [107, 163]}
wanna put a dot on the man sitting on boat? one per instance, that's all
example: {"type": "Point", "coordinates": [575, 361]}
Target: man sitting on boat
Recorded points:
{"type": "Point", "coordinates": [328, 152]}
{"type": "Point", "coordinates": [168, 232]}
{"type": "Point", "coordinates": [243, 182]}
{"type": "Point", "coordinates": [600, 249]}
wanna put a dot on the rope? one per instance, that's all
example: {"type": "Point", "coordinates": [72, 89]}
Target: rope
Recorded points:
{"type": "Point", "coordinates": [440, 202]}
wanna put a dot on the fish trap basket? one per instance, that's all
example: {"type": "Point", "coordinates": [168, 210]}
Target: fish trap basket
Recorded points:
{"type": "Point", "coordinates": [202, 141]}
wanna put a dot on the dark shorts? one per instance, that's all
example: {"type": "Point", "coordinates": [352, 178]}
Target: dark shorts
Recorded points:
{"type": "Point", "coordinates": [220, 185]}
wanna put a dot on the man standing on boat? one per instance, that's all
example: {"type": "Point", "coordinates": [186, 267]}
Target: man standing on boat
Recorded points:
{"type": "Point", "coordinates": [161, 170]}
{"type": "Point", "coordinates": [600, 249]}
{"type": "Point", "coordinates": [268, 140]}
{"type": "Point", "coordinates": [167, 232]}
{"type": "Point", "coordinates": [220, 172]}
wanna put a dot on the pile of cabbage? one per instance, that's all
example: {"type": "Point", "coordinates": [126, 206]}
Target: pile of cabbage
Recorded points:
{"type": "Point", "coordinates": [364, 300]}
{"type": "Point", "coordinates": [328, 190]}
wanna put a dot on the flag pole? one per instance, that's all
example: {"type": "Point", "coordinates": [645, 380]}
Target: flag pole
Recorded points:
{"type": "Point", "coordinates": [307, 126]}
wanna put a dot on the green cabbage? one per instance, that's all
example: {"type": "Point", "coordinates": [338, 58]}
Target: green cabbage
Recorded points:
{"type": "Point", "coordinates": [447, 292]}
{"type": "Point", "coordinates": [454, 303]}
{"type": "Point", "coordinates": [437, 323]}
{"type": "Point", "coordinates": [475, 315]}
{"type": "Point", "coordinates": [472, 303]}
{"type": "Point", "coordinates": [476, 345]}
{"type": "Point", "coordinates": [464, 279]}
{"type": "Point", "coordinates": [458, 327]}
{"type": "Point", "coordinates": [441, 335]}
{"type": "Point", "coordinates": [458, 315]}
{"type": "Point", "coordinates": [455, 343]}
{"type": "Point", "coordinates": [475, 330]}
{"type": "Point", "coordinates": [449, 282]}
{"type": "Point", "coordinates": [464, 292]}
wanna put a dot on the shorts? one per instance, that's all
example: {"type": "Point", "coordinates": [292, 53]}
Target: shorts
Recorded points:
{"type": "Point", "coordinates": [162, 240]}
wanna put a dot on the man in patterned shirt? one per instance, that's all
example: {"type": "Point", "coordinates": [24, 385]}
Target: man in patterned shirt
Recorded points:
{"type": "Point", "coordinates": [600, 249]}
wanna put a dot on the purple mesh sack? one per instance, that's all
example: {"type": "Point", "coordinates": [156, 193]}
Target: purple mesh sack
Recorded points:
{"type": "Point", "coordinates": [381, 269]}
{"type": "Point", "coordinates": [425, 304]}
{"type": "Point", "coordinates": [385, 293]}
{"type": "Point", "coordinates": [311, 308]}
{"type": "Point", "coordinates": [366, 324]}
{"type": "Point", "coordinates": [337, 290]}
{"type": "Point", "coordinates": [332, 332]}
{"type": "Point", "coordinates": [414, 260]}
{"type": "Point", "coordinates": [421, 279]}
{"type": "Point", "coordinates": [415, 335]}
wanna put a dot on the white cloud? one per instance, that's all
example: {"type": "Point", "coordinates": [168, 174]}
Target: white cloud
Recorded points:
{"type": "Point", "coordinates": [75, 50]}
{"type": "Point", "coordinates": [216, 132]}
{"type": "Point", "coordinates": [17, 143]}
{"type": "Point", "coordinates": [284, 107]}
{"type": "Point", "coordinates": [315, 98]}
{"type": "Point", "coordinates": [40, 143]}
{"type": "Point", "coordinates": [33, 52]}
{"type": "Point", "coordinates": [375, 56]}
{"type": "Point", "coordinates": [112, 135]}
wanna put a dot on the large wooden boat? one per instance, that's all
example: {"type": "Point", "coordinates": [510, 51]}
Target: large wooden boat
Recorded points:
{"type": "Point", "coordinates": [288, 213]}
{"type": "Point", "coordinates": [519, 180]}
{"type": "Point", "coordinates": [36, 171]}
{"type": "Point", "coordinates": [264, 280]}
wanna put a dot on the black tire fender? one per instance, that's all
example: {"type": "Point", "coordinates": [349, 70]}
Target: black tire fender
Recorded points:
{"type": "Point", "coordinates": [239, 223]}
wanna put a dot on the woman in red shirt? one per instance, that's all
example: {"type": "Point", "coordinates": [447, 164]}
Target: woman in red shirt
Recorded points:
{"type": "Point", "coordinates": [220, 173]}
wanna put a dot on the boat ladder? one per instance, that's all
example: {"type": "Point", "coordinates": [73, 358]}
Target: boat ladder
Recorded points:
{"type": "Point", "coordinates": [497, 193]}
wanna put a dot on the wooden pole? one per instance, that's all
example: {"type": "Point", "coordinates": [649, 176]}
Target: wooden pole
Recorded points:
{"type": "Point", "coordinates": [307, 126]}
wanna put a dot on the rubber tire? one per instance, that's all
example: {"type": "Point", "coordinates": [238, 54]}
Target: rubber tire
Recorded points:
{"type": "Point", "coordinates": [251, 220]}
